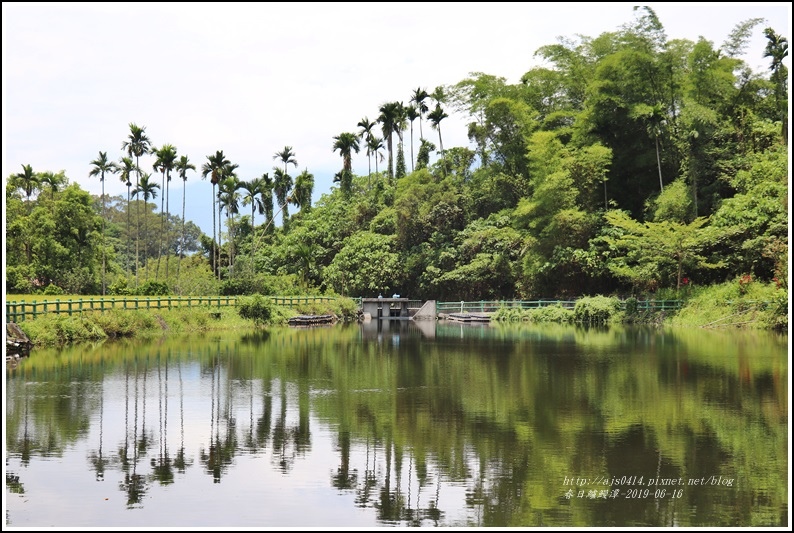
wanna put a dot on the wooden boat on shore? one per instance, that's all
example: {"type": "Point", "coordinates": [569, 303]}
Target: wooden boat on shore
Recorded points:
{"type": "Point", "coordinates": [311, 320]}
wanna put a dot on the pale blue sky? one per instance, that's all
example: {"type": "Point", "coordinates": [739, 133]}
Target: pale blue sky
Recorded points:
{"type": "Point", "coordinates": [250, 78]}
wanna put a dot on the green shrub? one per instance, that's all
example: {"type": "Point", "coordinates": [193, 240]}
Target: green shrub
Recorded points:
{"type": "Point", "coordinates": [257, 308]}
{"type": "Point", "coordinates": [153, 288]}
{"type": "Point", "coordinates": [53, 290]}
{"type": "Point", "coordinates": [119, 288]}
{"type": "Point", "coordinates": [596, 309]}
{"type": "Point", "coordinates": [235, 287]}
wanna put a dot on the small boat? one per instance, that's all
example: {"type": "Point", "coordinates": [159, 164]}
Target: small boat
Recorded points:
{"type": "Point", "coordinates": [469, 317]}
{"type": "Point", "coordinates": [310, 320]}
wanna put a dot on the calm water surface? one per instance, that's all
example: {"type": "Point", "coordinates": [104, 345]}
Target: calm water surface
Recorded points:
{"type": "Point", "coordinates": [401, 423]}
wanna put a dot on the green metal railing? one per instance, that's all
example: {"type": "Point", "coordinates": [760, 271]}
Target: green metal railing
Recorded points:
{"type": "Point", "coordinates": [490, 306]}
{"type": "Point", "coordinates": [19, 311]}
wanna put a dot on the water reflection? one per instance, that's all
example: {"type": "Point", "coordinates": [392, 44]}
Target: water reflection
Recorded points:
{"type": "Point", "coordinates": [403, 423]}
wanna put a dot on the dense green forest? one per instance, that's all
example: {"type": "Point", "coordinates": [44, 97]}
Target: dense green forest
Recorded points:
{"type": "Point", "coordinates": [628, 164]}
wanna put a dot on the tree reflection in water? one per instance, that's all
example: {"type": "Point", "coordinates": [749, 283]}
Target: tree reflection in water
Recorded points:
{"type": "Point", "coordinates": [393, 422]}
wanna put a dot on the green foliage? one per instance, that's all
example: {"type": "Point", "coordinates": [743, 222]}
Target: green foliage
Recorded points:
{"type": "Point", "coordinates": [548, 313]}
{"type": "Point", "coordinates": [257, 308]}
{"type": "Point", "coordinates": [399, 169]}
{"type": "Point", "coordinates": [119, 287]}
{"type": "Point", "coordinates": [596, 310]}
{"type": "Point", "coordinates": [673, 204]}
{"type": "Point", "coordinates": [234, 287]}
{"type": "Point", "coordinates": [53, 329]}
{"type": "Point", "coordinates": [365, 265]}
{"type": "Point", "coordinates": [657, 253]}
{"type": "Point", "coordinates": [52, 290]}
{"type": "Point", "coordinates": [423, 156]}
{"type": "Point", "coordinates": [741, 302]}
{"type": "Point", "coordinates": [153, 288]}
{"type": "Point", "coordinates": [345, 308]}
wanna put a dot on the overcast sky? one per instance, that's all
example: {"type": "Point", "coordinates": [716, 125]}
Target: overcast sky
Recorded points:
{"type": "Point", "coordinates": [252, 78]}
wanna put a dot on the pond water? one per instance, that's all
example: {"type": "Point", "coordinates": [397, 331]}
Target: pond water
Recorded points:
{"type": "Point", "coordinates": [403, 423]}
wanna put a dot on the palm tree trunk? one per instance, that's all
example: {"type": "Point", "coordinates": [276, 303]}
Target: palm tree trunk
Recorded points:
{"type": "Point", "coordinates": [129, 272]}
{"type": "Point", "coordinates": [167, 212]}
{"type": "Point", "coordinates": [182, 244]}
{"type": "Point", "coordinates": [214, 261]}
{"type": "Point", "coordinates": [104, 216]}
{"type": "Point", "coordinates": [137, 222]}
{"type": "Point", "coordinates": [658, 164]}
{"type": "Point", "coordinates": [162, 229]}
{"type": "Point", "coordinates": [220, 230]}
{"type": "Point", "coordinates": [412, 146]}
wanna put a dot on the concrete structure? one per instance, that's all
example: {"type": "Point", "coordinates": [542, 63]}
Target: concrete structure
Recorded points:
{"type": "Point", "coordinates": [398, 308]}
{"type": "Point", "coordinates": [427, 311]}
{"type": "Point", "coordinates": [379, 308]}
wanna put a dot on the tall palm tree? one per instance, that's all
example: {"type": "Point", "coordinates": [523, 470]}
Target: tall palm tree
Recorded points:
{"type": "Point", "coordinates": [346, 143]}
{"type": "Point", "coordinates": [28, 181]}
{"type": "Point", "coordinates": [374, 147]}
{"type": "Point", "coordinates": [418, 99]}
{"type": "Point", "coordinates": [400, 124]}
{"type": "Point", "coordinates": [282, 185]}
{"type": "Point", "coordinates": [126, 167]}
{"type": "Point", "coordinates": [253, 192]}
{"type": "Point", "coordinates": [267, 196]}
{"type": "Point", "coordinates": [229, 199]}
{"type": "Point", "coordinates": [215, 168]}
{"type": "Point", "coordinates": [412, 113]}
{"type": "Point", "coordinates": [287, 156]}
{"type": "Point", "coordinates": [101, 165]}
{"type": "Point", "coordinates": [365, 132]}
{"type": "Point", "coordinates": [147, 189]}
{"type": "Point", "coordinates": [182, 166]}
{"type": "Point", "coordinates": [136, 145]}
{"type": "Point", "coordinates": [302, 192]}
{"type": "Point", "coordinates": [435, 117]}
{"type": "Point", "coordinates": [53, 181]}
{"type": "Point", "coordinates": [165, 162]}
{"type": "Point", "coordinates": [389, 115]}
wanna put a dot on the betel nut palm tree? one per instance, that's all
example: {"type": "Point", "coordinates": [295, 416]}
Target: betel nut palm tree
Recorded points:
{"type": "Point", "coordinates": [182, 166]}
{"type": "Point", "coordinates": [282, 181]}
{"type": "Point", "coordinates": [148, 190]}
{"type": "Point", "coordinates": [165, 161]}
{"type": "Point", "coordinates": [366, 126]}
{"type": "Point", "coordinates": [215, 168]}
{"type": "Point", "coordinates": [126, 167]}
{"type": "Point", "coordinates": [100, 166]}
{"type": "Point", "coordinates": [136, 145]}
{"type": "Point", "coordinates": [346, 143]}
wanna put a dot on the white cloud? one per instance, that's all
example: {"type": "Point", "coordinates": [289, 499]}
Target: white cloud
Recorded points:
{"type": "Point", "coordinates": [250, 79]}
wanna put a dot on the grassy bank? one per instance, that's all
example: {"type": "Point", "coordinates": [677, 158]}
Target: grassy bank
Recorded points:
{"type": "Point", "coordinates": [59, 329]}
{"type": "Point", "coordinates": [734, 304]}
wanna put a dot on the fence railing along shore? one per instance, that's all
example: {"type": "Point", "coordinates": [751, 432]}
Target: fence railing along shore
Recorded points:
{"type": "Point", "coordinates": [18, 311]}
{"type": "Point", "coordinates": [21, 310]}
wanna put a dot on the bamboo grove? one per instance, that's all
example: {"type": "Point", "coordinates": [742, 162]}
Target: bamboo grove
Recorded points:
{"type": "Point", "coordinates": [626, 164]}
